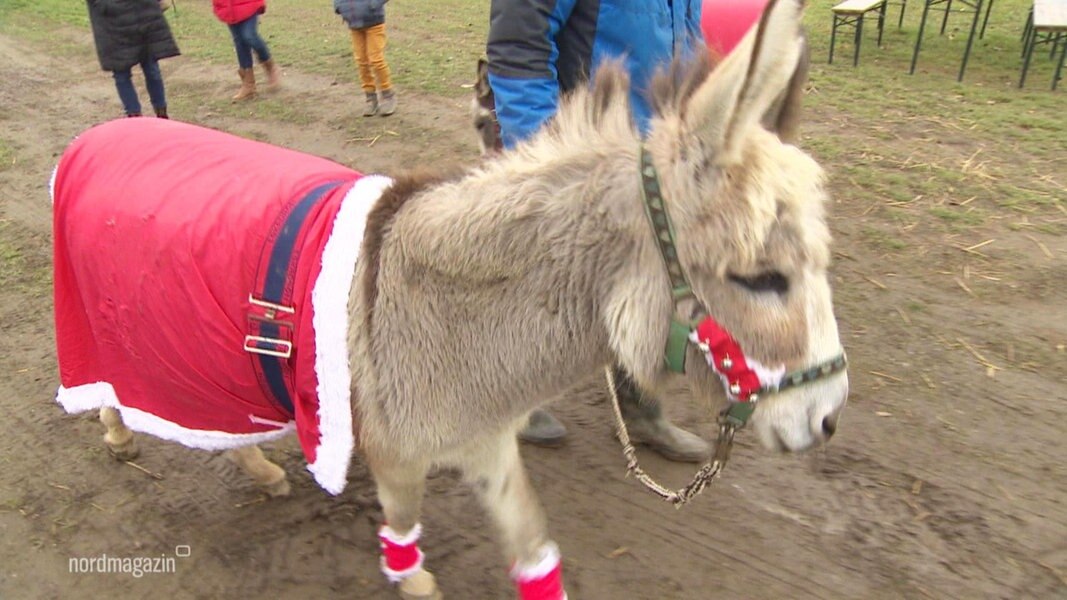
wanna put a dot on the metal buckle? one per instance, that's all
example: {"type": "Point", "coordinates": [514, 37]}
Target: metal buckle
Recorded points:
{"type": "Point", "coordinates": [251, 340]}
{"type": "Point", "coordinates": [270, 305]}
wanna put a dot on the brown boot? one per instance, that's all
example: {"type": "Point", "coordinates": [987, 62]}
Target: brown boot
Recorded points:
{"type": "Point", "coordinates": [248, 85]}
{"type": "Point", "coordinates": [273, 74]}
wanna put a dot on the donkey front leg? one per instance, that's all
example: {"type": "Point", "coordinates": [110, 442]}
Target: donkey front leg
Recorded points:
{"type": "Point", "coordinates": [496, 472]}
{"type": "Point", "coordinates": [400, 490]}
{"type": "Point", "coordinates": [119, 438]}
{"type": "Point", "coordinates": [266, 474]}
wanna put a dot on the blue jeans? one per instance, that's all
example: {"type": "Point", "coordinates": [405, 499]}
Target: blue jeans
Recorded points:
{"type": "Point", "coordinates": [246, 39]}
{"type": "Point", "coordinates": [153, 80]}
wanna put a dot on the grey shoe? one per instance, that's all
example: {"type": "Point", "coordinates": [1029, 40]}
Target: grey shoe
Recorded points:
{"type": "Point", "coordinates": [647, 425]}
{"type": "Point", "coordinates": [543, 430]}
{"type": "Point", "coordinates": [667, 439]}
{"type": "Point", "coordinates": [388, 105]}
{"type": "Point", "coordinates": [371, 107]}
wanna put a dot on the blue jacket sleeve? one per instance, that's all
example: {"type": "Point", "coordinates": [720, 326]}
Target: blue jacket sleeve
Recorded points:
{"type": "Point", "coordinates": [522, 54]}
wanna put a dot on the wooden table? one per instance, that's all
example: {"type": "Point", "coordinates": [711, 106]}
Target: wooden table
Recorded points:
{"type": "Point", "coordinates": [975, 5]}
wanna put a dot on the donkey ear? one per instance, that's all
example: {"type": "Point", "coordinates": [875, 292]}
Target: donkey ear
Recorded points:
{"type": "Point", "coordinates": [481, 82]}
{"type": "Point", "coordinates": [783, 118]}
{"type": "Point", "coordinates": [746, 85]}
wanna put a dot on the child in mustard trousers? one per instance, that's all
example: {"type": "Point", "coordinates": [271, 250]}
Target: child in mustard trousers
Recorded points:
{"type": "Point", "coordinates": [366, 21]}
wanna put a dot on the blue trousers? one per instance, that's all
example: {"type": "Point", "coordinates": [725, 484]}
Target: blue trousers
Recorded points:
{"type": "Point", "coordinates": [246, 39]}
{"type": "Point", "coordinates": [153, 80]}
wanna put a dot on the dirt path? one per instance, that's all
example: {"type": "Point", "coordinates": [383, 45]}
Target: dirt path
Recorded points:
{"type": "Point", "coordinates": [943, 482]}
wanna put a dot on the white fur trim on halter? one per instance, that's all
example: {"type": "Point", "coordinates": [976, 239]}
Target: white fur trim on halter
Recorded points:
{"type": "Point", "coordinates": [329, 300]}
{"type": "Point", "coordinates": [767, 376]}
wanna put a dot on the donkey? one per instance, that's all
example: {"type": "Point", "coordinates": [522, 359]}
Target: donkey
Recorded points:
{"type": "Point", "coordinates": [476, 298]}
{"type": "Point", "coordinates": [480, 297]}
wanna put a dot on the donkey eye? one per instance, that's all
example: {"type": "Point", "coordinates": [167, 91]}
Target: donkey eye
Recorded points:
{"type": "Point", "coordinates": [767, 281]}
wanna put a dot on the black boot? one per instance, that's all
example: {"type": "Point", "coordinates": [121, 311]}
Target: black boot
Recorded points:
{"type": "Point", "coordinates": [647, 425]}
{"type": "Point", "coordinates": [161, 112]}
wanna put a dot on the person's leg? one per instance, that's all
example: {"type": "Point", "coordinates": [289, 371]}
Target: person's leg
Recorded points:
{"type": "Point", "coordinates": [258, 45]}
{"type": "Point", "coordinates": [127, 93]}
{"type": "Point", "coordinates": [376, 57]}
{"type": "Point", "coordinates": [250, 34]}
{"type": "Point", "coordinates": [366, 75]}
{"type": "Point", "coordinates": [240, 43]}
{"type": "Point", "coordinates": [153, 79]}
{"type": "Point", "coordinates": [244, 62]}
{"type": "Point", "coordinates": [648, 426]}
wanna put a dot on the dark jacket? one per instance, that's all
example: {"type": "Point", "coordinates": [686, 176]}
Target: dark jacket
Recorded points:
{"type": "Point", "coordinates": [540, 48]}
{"type": "Point", "coordinates": [129, 31]}
{"type": "Point", "coordinates": [360, 14]}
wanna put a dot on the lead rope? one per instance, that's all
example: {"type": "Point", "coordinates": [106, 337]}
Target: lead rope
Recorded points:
{"type": "Point", "coordinates": [708, 473]}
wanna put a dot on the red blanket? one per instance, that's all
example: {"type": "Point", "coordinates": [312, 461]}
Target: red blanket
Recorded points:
{"type": "Point", "coordinates": [201, 287]}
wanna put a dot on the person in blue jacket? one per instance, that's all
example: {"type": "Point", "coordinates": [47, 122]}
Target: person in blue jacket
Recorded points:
{"type": "Point", "coordinates": [539, 49]}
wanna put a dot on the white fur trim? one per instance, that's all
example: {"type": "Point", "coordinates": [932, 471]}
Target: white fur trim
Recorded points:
{"type": "Point", "coordinates": [547, 561]}
{"type": "Point", "coordinates": [401, 540]}
{"type": "Point", "coordinates": [767, 376]}
{"type": "Point", "coordinates": [408, 539]}
{"type": "Point", "coordinates": [100, 394]}
{"type": "Point", "coordinates": [52, 184]}
{"type": "Point", "coordinates": [329, 301]}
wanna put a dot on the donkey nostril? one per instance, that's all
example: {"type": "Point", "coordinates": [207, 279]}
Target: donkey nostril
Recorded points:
{"type": "Point", "coordinates": [829, 426]}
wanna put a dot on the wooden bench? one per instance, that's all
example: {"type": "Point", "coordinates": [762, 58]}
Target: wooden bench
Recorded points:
{"type": "Point", "coordinates": [850, 13]}
{"type": "Point", "coordinates": [1047, 24]}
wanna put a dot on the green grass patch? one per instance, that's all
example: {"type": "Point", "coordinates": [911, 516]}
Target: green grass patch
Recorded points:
{"type": "Point", "coordinates": [956, 216]}
{"type": "Point", "coordinates": [882, 240]}
{"type": "Point", "coordinates": [914, 306]}
{"type": "Point", "coordinates": [12, 261]}
{"type": "Point", "coordinates": [7, 155]}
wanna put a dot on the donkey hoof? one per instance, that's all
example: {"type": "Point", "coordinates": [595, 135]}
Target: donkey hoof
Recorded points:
{"type": "Point", "coordinates": [420, 586]}
{"type": "Point", "coordinates": [278, 488]}
{"type": "Point", "coordinates": [125, 451]}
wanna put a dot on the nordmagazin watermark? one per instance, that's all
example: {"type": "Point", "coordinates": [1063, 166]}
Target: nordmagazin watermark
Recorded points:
{"type": "Point", "coordinates": [137, 566]}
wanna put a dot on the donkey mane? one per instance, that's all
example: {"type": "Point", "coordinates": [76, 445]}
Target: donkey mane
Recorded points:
{"type": "Point", "coordinates": [673, 86]}
{"type": "Point", "coordinates": [593, 118]}
{"type": "Point", "coordinates": [380, 218]}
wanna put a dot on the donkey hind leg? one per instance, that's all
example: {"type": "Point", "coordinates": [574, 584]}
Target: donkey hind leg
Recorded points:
{"type": "Point", "coordinates": [400, 491]}
{"type": "Point", "coordinates": [119, 438]}
{"type": "Point", "coordinates": [266, 474]}
{"type": "Point", "coordinates": [496, 472]}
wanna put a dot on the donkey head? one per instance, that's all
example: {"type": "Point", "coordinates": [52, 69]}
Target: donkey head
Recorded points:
{"type": "Point", "coordinates": [751, 235]}
{"type": "Point", "coordinates": [483, 112]}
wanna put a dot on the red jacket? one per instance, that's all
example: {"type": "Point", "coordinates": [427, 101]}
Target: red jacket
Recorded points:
{"type": "Point", "coordinates": [232, 12]}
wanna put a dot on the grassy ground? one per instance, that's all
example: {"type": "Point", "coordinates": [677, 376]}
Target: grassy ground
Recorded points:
{"type": "Point", "coordinates": [906, 163]}
{"type": "Point", "coordinates": [432, 46]}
